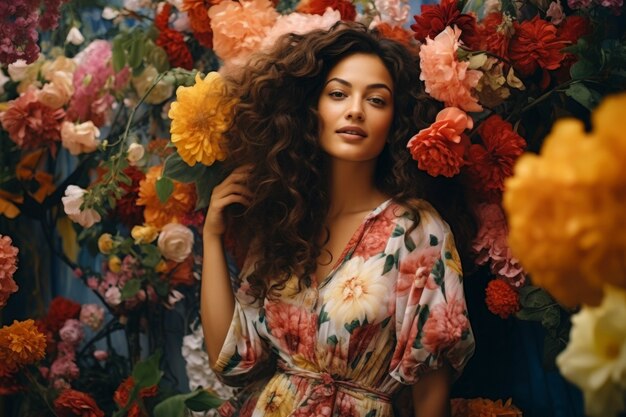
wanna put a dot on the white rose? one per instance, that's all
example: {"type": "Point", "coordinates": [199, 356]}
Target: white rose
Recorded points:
{"type": "Point", "coordinates": [18, 70]}
{"type": "Point", "coordinates": [80, 138]}
{"type": "Point", "coordinates": [109, 13]}
{"type": "Point", "coordinates": [71, 204]}
{"type": "Point", "coordinates": [74, 36]}
{"type": "Point", "coordinates": [58, 92]}
{"type": "Point", "coordinates": [175, 242]}
{"type": "Point", "coordinates": [113, 296]}
{"type": "Point", "coordinates": [136, 151]}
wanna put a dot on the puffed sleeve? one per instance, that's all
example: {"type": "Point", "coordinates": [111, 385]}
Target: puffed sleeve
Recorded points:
{"type": "Point", "coordinates": [245, 356]}
{"type": "Point", "coordinates": [432, 323]}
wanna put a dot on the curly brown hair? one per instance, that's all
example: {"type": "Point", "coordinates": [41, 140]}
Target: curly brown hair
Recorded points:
{"type": "Point", "coordinates": [275, 130]}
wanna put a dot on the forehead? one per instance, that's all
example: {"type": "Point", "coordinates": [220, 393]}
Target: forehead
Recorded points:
{"type": "Point", "coordinates": [362, 68]}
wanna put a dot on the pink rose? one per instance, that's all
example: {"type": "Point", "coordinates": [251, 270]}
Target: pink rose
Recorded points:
{"type": "Point", "coordinates": [113, 296]}
{"type": "Point", "coordinates": [175, 242]}
{"type": "Point", "coordinates": [72, 332]}
{"type": "Point", "coordinates": [71, 204]}
{"type": "Point", "coordinates": [64, 367]}
{"type": "Point", "coordinates": [92, 315]}
{"type": "Point", "coordinates": [446, 79]}
{"type": "Point", "coordinates": [101, 355]}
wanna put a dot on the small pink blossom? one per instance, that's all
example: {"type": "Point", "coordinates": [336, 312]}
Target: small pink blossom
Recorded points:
{"type": "Point", "coordinates": [299, 23]}
{"type": "Point", "coordinates": [113, 296]}
{"type": "Point", "coordinates": [101, 355]}
{"type": "Point", "coordinates": [8, 266]}
{"type": "Point", "coordinates": [555, 12]}
{"type": "Point", "coordinates": [92, 315]}
{"type": "Point", "coordinates": [64, 367]}
{"type": "Point", "coordinates": [446, 79]}
{"type": "Point", "coordinates": [72, 332]}
{"type": "Point", "coordinates": [445, 325]}
{"type": "Point", "coordinates": [92, 282]}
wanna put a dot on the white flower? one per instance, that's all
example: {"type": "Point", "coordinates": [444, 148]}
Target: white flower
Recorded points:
{"type": "Point", "coordinates": [175, 242]}
{"type": "Point", "coordinates": [3, 81]}
{"type": "Point", "coordinates": [18, 70]}
{"type": "Point", "coordinates": [80, 138]}
{"type": "Point", "coordinates": [358, 291]}
{"type": "Point", "coordinates": [113, 296]}
{"type": "Point", "coordinates": [136, 151]}
{"type": "Point", "coordinates": [71, 204]}
{"type": "Point", "coordinates": [74, 36]}
{"type": "Point", "coordinates": [173, 297]}
{"type": "Point", "coordinates": [109, 13]}
{"type": "Point", "coordinates": [595, 358]}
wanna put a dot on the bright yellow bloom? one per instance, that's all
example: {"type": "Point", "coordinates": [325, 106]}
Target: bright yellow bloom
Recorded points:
{"type": "Point", "coordinates": [115, 264]}
{"type": "Point", "coordinates": [565, 208]}
{"type": "Point", "coordinates": [144, 234]}
{"type": "Point", "coordinates": [21, 344]}
{"type": "Point", "coordinates": [105, 243]}
{"type": "Point", "coordinates": [200, 115]}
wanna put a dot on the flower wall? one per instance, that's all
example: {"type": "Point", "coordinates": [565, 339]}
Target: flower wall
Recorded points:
{"type": "Point", "coordinates": [111, 122]}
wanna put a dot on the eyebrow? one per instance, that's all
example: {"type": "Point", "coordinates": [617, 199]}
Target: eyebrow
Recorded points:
{"type": "Point", "coordinates": [368, 87]}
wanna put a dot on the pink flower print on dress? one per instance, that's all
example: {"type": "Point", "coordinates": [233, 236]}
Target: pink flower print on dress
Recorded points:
{"type": "Point", "coordinates": [294, 327]}
{"type": "Point", "coordinates": [416, 273]}
{"type": "Point", "coordinates": [445, 325]}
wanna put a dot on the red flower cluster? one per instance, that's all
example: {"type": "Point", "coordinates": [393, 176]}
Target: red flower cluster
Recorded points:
{"type": "Point", "coordinates": [122, 394]}
{"type": "Point", "coordinates": [434, 19]}
{"type": "Point", "coordinates": [60, 310]}
{"type": "Point", "coordinates": [126, 208]}
{"type": "Point", "coordinates": [172, 41]}
{"type": "Point", "coordinates": [197, 10]}
{"type": "Point", "coordinates": [396, 33]}
{"type": "Point", "coordinates": [492, 162]}
{"type": "Point", "coordinates": [344, 7]}
{"type": "Point", "coordinates": [72, 403]}
{"type": "Point", "coordinates": [536, 45]}
{"type": "Point", "coordinates": [501, 299]}
{"type": "Point", "coordinates": [495, 33]}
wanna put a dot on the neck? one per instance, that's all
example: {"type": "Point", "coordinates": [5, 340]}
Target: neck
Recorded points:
{"type": "Point", "coordinates": [351, 187]}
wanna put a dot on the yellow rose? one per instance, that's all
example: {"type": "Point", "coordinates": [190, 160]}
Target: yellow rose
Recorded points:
{"type": "Point", "coordinates": [161, 266]}
{"type": "Point", "coordinates": [144, 234]}
{"type": "Point", "coordinates": [105, 243]}
{"type": "Point", "coordinates": [115, 264]}
{"type": "Point", "coordinates": [61, 63]}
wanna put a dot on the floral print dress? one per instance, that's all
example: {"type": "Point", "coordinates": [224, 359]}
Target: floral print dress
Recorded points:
{"type": "Point", "coordinates": [391, 309]}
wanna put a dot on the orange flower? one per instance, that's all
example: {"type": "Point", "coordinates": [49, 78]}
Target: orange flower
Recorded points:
{"type": "Point", "coordinates": [75, 403]}
{"type": "Point", "coordinates": [180, 273]}
{"type": "Point", "coordinates": [21, 344]}
{"type": "Point", "coordinates": [502, 299]}
{"type": "Point", "coordinates": [482, 407]}
{"type": "Point", "coordinates": [398, 34]}
{"type": "Point", "coordinates": [198, 12]}
{"type": "Point", "coordinates": [122, 394]}
{"type": "Point", "coordinates": [158, 214]}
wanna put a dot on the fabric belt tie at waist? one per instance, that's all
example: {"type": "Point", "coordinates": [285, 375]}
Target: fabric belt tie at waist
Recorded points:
{"type": "Point", "coordinates": [328, 386]}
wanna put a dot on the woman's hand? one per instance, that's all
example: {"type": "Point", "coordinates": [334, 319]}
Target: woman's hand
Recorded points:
{"type": "Point", "coordinates": [230, 191]}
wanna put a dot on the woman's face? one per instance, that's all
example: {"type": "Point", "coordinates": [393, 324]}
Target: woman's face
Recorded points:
{"type": "Point", "coordinates": [356, 108]}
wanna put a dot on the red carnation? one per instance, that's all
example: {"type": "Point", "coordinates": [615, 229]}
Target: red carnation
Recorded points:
{"type": "Point", "coordinates": [60, 310]}
{"type": "Point", "coordinates": [434, 19]}
{"type": "Point", "coordinates": [122, 394]}
{"type": "Point", "coordinates": [396, 33]}
{"type": "Point", "coordinates": [535, 45]}
{"type": "Point", "coordinates": [162, 19]}
{"type": "Point", "coordinates": [344, 7]}
{"type": "Point", "coordinates": [176, 49]}
{"type": "Point", "coordinates": [501, 299]}
{"type": "Point", "coordinates": [570, 30]}
{"type": "Point", "coordinates": [495, 33]}
{"type": "Point", "coordinates": [72, 403]}
{"type": "Point", "coordinates": [199, 20]}
{"type": "Point", "coordinates": [126, 208]}
{"type": "Point", "coordinates": [491, 162]}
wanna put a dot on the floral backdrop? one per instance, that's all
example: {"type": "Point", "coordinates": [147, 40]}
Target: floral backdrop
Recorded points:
{"type": "Point", "coordinates": [111, 122]}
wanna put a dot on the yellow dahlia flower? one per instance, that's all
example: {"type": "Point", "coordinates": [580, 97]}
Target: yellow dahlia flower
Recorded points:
{"type": "Point", "coordinates": [200, 115]}
{"type": "Point", "coordinates": [21, 344]}
{"type": "Point", "coordinates": [565, 208]}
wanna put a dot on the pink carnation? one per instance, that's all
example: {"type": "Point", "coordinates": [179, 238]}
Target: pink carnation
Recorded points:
{"type": "Point", "coordinates": [239, 28]}
{"type": "Point", "coordinates": [490, 245]}
{"type": "Point", "coordinates": [64, 367]}
{"type": "Point", "coordinates": [440, 148]}
{"type": "Point", "coordinates": [30, 123]}
{"type": "Point", "coordinates": [446, 79]}
{"type": "Point", "coordinates": [91, 100]}
{"type": "Point", "coordinates": [92, 315]}
{"type": "Point", "coordinates": [72, 332]}
{"type": "Point", "coordinates": [8, 266]}
{"type": "Point", "coordinates": [299, 23]}
{"type": "Point", "coordinates": [445, 325]}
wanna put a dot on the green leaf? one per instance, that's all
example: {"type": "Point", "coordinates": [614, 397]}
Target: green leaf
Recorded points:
{"type": "Point", "coordinates": [119, 54]}
{"type": "Point", "coordinates": [203, 401]}
{"type": "Point", "coordinates": [137, 49]}
{"type": "Point", "coordinates": [582, 69]}
{"type": "Point", "coordinates": [131, 288]}
{"type": "Point", "coordinates": [551, 318]}
{"type": "Point", "coordinates": [332, 340]}
{"type": "Point", "coordinates": [164, 188]}
{"type": "Point", "coordinates": [206, 183]}
{"type": "Point", "coordinates": [530, 314]}
{"type": "Point", "coordinates": [177, 169]}
{"type": "Point", "coordinates": [534, 297]}
{"type": "Point", "coordinates": [585, 96]}
{"type": "Point", "coordinates": [409, 243]}
{"type": "Point", "coordinates": [147, 373]}
{"type": "Point", "coordinates": [398, 231]}
{"type": "Point", "coordinates": [353, 325]}
{"type": "Point", "coordinates": [389, 262]}
{"type": "Point", "coordinates": [433, 240]}
{"type": "Point", "coordinates": [151, 256]}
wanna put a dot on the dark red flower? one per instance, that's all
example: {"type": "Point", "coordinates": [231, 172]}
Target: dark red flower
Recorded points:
{"type": "Point", "coordinates": [126, 208]}
{"type": "Point", "coordinates": [535, 45]}
{"type": "Point", "coordinates": [122, 396]}
{"type": "Point", "coordinates": [162, 19]}
{"type": "Point", "coordinates": [501, 298]}
{"type": "Point", "coordinates": [434, 19]}
{"type": "Point", "coordinates": [495, 34]}
{"type": "Point", "coordinates": [60, 310]}
{"type": "Point", "coordinates": [570, 30]}
{"type": "Point", "coordinates": [491, 162]}
{"type": "Point", "coordinates": [176, 49]}
{"type": "Point", "coordinates": [344, 7]}
{"type": "Point", "coordinates": [72, 403]}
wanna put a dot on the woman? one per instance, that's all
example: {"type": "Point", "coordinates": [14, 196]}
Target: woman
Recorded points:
{"type": "Point", "coordinates": [351, 280]}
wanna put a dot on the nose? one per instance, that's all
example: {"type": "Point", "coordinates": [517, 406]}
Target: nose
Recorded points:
{"type": "Point", "coordinates": [355, 111]}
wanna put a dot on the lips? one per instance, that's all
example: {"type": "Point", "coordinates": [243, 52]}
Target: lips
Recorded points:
{"type": "Point", "coordinates": [352, 131]}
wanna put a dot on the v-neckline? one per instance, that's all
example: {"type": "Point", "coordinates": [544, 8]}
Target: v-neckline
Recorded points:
{"type": "Point", "coordinates": [354, 239]}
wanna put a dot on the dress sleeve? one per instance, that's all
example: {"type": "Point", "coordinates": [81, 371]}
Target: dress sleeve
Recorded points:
{"type": "Point", "coordinates": [245, 356]}
{"type": "Point", "coordinates": [432, 323]}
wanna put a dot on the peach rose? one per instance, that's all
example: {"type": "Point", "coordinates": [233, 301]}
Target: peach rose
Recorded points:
{"type": "Point", "coordinates": [80, 138]}
{"type": "Point", "coordinates": [58, 92]}
{"type": "Point", "coordinates": [61, 63]}
{"type": "Point", "coordinates": [175, 242]}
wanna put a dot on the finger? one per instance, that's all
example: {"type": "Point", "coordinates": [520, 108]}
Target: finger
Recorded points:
{"type": "Point", "coordinates": [232, 199]}
{"type": "Point", "coordinates": [232, 189]}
